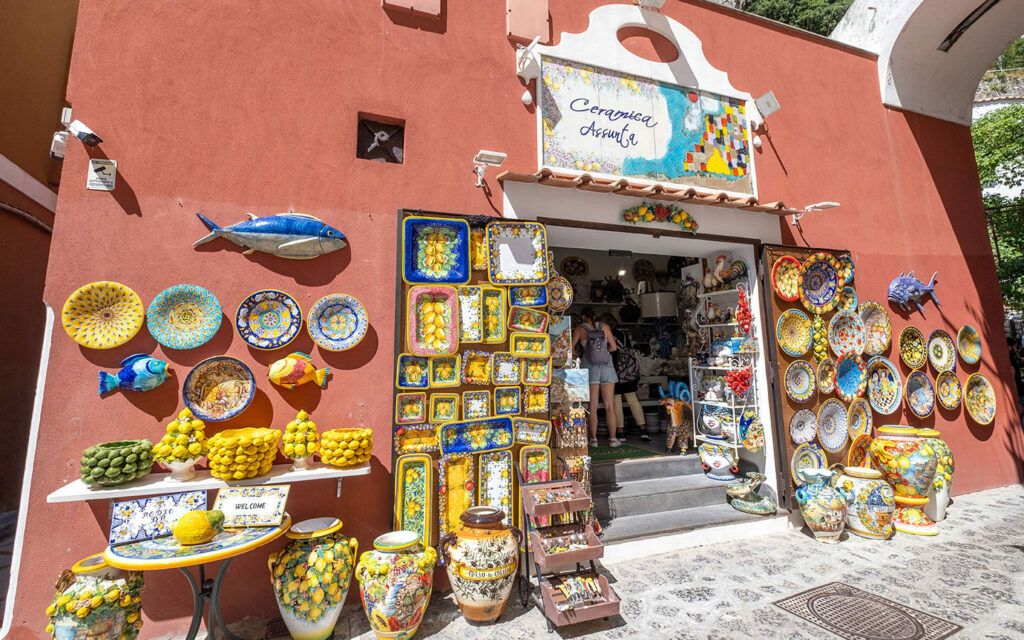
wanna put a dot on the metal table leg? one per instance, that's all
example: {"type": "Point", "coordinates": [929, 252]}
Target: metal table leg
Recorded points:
{"type": "Point", "coordinates": [203, 591]}
{"type": "Point", "coordinates": [198, 595]}
{"type": "Point", "coordinates": [218, 619]}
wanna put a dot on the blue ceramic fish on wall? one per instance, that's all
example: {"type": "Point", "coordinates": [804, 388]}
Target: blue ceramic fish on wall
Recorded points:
{"type": "Point", "coordinates": [287, 235]}
{"type": "Point", "coordinates": [139, 373]}
{"type": "Point", "coordinates": [906, 288]}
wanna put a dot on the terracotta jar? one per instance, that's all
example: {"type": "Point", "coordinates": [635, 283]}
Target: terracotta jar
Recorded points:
{"type": "Point", "coordinates": [942, 485]}
{"type": "Point", "coordinates": [481, 557]}
{"type": "Point", "coordinates": [95, 601]}
{"type": "Point", "coordinates": [823, 507]}
{"type": "Point", "coordinates": [395, 581]}
{"type": "Point", "coordinates": [908, 462]}
{"type": "Point", "coordinates": [870, 502]}
{"type": "Point", "coordinates": [311, 576]}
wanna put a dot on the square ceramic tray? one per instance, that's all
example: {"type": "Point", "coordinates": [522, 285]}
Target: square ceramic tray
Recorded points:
{"type": "Point", "coordinates": [528, 320]}
{"type": "Point", "coordinates": [517, 253]}
{"type": "Point", "coordinates": [435, 250]}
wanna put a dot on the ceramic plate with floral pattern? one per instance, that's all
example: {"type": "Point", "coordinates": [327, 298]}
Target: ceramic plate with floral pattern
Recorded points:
{"type": "Point", "coordinates": [102, 315]}
{"type": "Point", "coordinates": [799, 381]}
{"type": "Point", "coordinates": [912, 347]}
{"type": "Point", "coordinates": [819, 282]}
{"type": "Point", "coordinates": [268, 319]}
{"type": "Point", "coordinates": [858, 418]}
{"type": "Point", "coordinates": [435, 250]}
{"type": "Point", "coordinates": [885, 387]}
{"type": "Point", "coordinates": [793, 332]}
{"type": "Point", "coordinates": [941, 351]}
{"type": "Point", "coordinates": [948, 390]}
{"type": "Point", "coordinates": [184, 316]}
{"type": "Point", "coordinates": [495, 482]}
{"type": "Point", "coordinates": [968, 344]}
{"type": "Point", "coordinates": [803, 426]}
{"type": "Point", "coordinates": [337, 322]}
{"type": "Point", "coordinates": [218, 388]}
{"type": "Point", "coordinates": [559, 293]}
{"type": "Point", "coordinates": [833, 429]}
{"type": "Point", "coordinates": [846, 333]}
{"type": "Point", "coordinates": [877, 328]}
{"type": "Point", "coordinates": [980, 399]}
{"type": "Point", "coordinates": [827, 376]}
{"type": "Point", "coordinates": [806, 456]}
{"type": "Point", "coordinates": [518, 253]}
{"type": "Point", "coordinates": [859, 453]}
{"type": "Point", "coordinates": [851, 377]}
{"type": "Point", "coordinates": [920, 394]}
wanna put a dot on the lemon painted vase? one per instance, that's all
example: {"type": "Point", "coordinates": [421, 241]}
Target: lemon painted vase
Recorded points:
{"type": "Point", "coordinates": [871, 502]}
{"type": "Point", "coordinates": [94, 601]}
{"type": "Point", "coordinates": [908, 462]}
{"type": "Point", "coordinates": [822, 505]}
{"type": "Point", "coordinates": [942, 485]}
{"type": "Point", "coordinates": [311, 576]}
{"type": "Point", "coordinates": [481, 557]}
{"type": "Point", "coordinates": [395, 581]}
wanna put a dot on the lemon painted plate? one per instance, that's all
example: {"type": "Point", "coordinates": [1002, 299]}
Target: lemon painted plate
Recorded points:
{"type": "Point", "coordinates": [980, 399]}
{"type": "Point", "coordinates": [941, 351]}
{"type": "Point", "coordinates": [337, 322]}
{"type": "Point", "coordinates": [948, 390]}
{"type": "Point", "coordinates": [968, 344]}
{"type": "Point", "coordinates": [793, 332]}
{"type": "Point", "coordinates": [877, 328]}
{"type": "Point", "coordinates": [912, 347]}
{"type": "Point", "coordinates": [102, 315]}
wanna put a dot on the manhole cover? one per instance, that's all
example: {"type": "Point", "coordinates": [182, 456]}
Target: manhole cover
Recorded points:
{"type": "Point", "coordinates": [858, 615]}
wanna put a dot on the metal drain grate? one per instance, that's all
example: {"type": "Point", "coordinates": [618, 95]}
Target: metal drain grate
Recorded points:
{"type": "Point", "coordinates": [858, 615]}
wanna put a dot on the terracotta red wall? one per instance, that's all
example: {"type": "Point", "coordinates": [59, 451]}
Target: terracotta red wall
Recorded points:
{"type": "Point", "coordinates": [227, 111]}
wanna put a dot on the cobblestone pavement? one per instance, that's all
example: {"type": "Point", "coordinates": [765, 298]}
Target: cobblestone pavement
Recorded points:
{"type": "Point", "coordinates": [970, 574]}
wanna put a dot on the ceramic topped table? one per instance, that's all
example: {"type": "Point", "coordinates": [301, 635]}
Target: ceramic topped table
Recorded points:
{"type": "Point", "coordinates": [165, 553]}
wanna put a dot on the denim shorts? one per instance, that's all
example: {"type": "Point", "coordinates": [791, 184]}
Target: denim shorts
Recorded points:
{"type": "Point", "coordinates": [601, 373]}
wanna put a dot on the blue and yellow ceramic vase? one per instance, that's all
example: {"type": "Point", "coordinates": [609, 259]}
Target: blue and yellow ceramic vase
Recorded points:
{"type": "Point", "coordinates": [908, 462]}
{"type": "Point", "coordinates": [822, 505]}
{"type": "Point", "coordinates": [395, 581]}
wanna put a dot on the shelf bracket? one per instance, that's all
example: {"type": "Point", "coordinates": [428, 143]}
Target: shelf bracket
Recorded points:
{"type": "Point", "coordinates": [338, 493]}
{"type": "Point", "coordinates": [110, 508]}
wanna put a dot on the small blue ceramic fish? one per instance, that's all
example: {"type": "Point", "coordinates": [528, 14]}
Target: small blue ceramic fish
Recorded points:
{"type": "Point", "coordinates": [907, 288]}
{"type": "Point", "coordinates": [139, 373]}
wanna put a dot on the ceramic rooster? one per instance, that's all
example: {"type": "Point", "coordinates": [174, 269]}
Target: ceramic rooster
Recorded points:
{"type": "Point", "coordinates": [723, 269]}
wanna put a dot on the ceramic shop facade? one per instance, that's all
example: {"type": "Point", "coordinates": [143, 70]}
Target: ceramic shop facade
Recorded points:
{"type": "Point", "coordinates": [201, 119]}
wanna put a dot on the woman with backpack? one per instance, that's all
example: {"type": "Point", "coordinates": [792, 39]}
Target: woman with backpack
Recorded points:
{"type": "Point", "coordinates": [598, 344]}
{"type": "Point", "coordinates": [628, 372]}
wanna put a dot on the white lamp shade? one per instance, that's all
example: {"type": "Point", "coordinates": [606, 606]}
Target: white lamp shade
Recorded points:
{"type": "Point", "coordinates": [659, 305]}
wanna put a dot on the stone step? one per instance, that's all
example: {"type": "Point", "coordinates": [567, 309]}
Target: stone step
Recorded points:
{"type": "Point", "coordinates": [668, 522]}
{"type": "Point", "coordinates": [644, 468]}
{"type": "Point", "coordinates": [613, 501]}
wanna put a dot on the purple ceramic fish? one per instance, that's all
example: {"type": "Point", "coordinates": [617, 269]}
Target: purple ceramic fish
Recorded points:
{"type": "Point", "coordinates": [906, 288]}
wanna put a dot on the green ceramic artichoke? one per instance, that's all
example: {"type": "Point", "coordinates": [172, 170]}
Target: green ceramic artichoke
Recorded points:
{"type": "Point", "coordinates": [113, 463]}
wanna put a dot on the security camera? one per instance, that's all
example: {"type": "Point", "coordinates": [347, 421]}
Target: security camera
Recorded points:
{"type": "Point", "coordinates": [84, 133]}
{"type": "Point", "coordinates": [484, 159]}
{"type": "Point", "coordinates": [58, 145]}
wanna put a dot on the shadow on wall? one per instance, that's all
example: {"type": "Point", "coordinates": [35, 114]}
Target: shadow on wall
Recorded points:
{"type": "Point", "coordinates": [423, 22]}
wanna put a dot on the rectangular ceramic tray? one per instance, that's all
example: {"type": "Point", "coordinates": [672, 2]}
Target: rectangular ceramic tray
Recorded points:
{"type": "Point", "coordinates": [456, 490]}
{"type": "Point", "coordinates": [536, 345]}
{"type": "Point", "coordinates": [415, 438]}
{"type": "Point", "coordinates": [532, 295]}
{"type": "Point", "coordinates": [454, 255]}
{"type": "Point", "coordinates": [528, 320]}
{"type": "Point", "coordinates": [444, 407]}
{"type": "Point", "coordinates": [531, 430]}
{"type": "Point", "coordinates": [410, 408]}
{"type": "Point", "coordinates": [424, 335]}
{"type": "Point", "coordinates": [445, 371]}
{"type": "Point", "coordinates": [517, 253]}
{"type": "Point", "coordinates": [412, 372]}
{"type": "Point", "coordinates": [536, 399]}
{"type": "Point", "coordinates": [476, 405]}
{"type": "Point", "coordinates": [507, 401]}
{"type": "Point", "coordinates": [477, 367]}
{"type": "Point", "coordinates": [494, 314]}
{"type": "Point", "coordinates": [494, 475]}
{"type": "Point", "coordinates": [551, 596]}
{"type": "Point", "coordinates": [535, 371]}
{"type": "Point", "coordinates": [470, 314]}
{"type": "Point", "coordinates": [592, 551]}
{"type": "Point", "coordinates": [414, 495]}
{"type": "Point", "coordinates": [579, 501]}
{"type": "Point", "coordinates": [535, 466]}
{"type": "Point", "coordinates": [476, 436]}
{"type": "Point", "coordinates": [504, 368]}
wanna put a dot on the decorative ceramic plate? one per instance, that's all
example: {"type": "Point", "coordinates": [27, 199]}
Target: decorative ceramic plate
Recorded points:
{"type": "Point", "coordinates": [477, 367]}
{"type": "Point", "coordinates": [536, 399]}
{"type": "Point", "coordinates": [533, 295]}
{"type": "Point", "coordinates": [518, 253]}
{"type": "Point", "coordinates": [444, 407]}
{"type": "Point", "coordinates": [574, 267]}
{"type": "Point", "coordinates": [432, 320]}
{"type": "Point", "coordinates": [980, 399]}
{"type": "Point", "coordinates": [337, 322]}
{"type": "Point", "coordinates": [412, 372]}
{"type": "Point", "coordinates": [806, 456]}
{"type": "Point", "coordinates": [846, 333]}
{"type": "Point", "coordinates": [912, 347]}
{"type": "Point", "coordinates": [803, 426]}
{"type": "Point", "coordinates": [102, 315]}
{"type": "Point", "coordinates": [529, 320]}
{"type": "Point", "coordinates": [851, 377]}
{"type": "Point", "coordinates": [494, 314]}
{"type": "Point", "coordinates": [559, 294]}
{"type": "Point", "coordinates": [845, 269]}
{"type": "Point", "coordinates": [832, 426]}
{"type": "Point", "coordinates": [476, 436]}
{"type": "Point", "coordinates": [859, 454]}
{"type": "Point", "coordinates": [941, 351]}
{"type": "Point", "coordinates": [531, 431]}
{"type": "Point", "coordinates": [920, 394]}
{"type": "Point", "coordinates": [476, 405]}
{"type": "Point", "coordinates": [435, 250]}
{"type": "Point", "coordinates": [218, 388]}
{"type": "Point", "coordinates": [884, 389]}
{"type": "Point", "coordinates": [507, 401]}
{"type": "Point", "coordinates": [414, 495]}
{"type": "Point", "coordinates": [445, 371]}
{"type": "Point", "coordinates": [848, 299]}
{"type": "Point", "coordinates": [969, 344]}
{"type": "Point", "coordinates": [530, 344]}
{"type": "Point", "coordinates": [793, 332]}
{"type": "Point", "coordinates": [535, 370]}
{"type": "Point", "coordinates": [785, 278]}
{"type": "Point", "coordinates": [799, 381]}
{"type": "Point", "coordinates": [819, 282]}
{"type": "Point", "coordinates": [504, 368]}
{"type": "Point", "coordinates": [411, 408]}
{"type": "Point", "coordinates": [268, 319]}
{"type": "Point", "coordinates": [471, 322]}
{"type": "Point", "coordinates": [184, 316]}
{"type": "Point", "coordinates": [859, 418]}
{"type": "Point", "coordinates": [827, 376]}
{"type": "Point", "coordinates": [495, 482]}
{"type": "Point", "coordinates": [948, 390]}
{"type": "Point", "coordinates": [456, 490]}
{"type": "Point", "coordinates": [877, 328]}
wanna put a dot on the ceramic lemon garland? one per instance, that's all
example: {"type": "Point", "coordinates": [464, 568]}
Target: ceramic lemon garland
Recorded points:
{"type": "Point", "coordinates": [649, 212]}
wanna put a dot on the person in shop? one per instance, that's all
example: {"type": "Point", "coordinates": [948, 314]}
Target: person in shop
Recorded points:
{"type": "Point", "coordinates": [595, 344]}
{"type": "Point", "coordinates": [629, 377]}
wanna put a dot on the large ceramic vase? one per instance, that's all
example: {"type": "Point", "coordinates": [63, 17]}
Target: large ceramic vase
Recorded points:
{"type": "Point", "coordinates": [942, 485]}
{"type": "Point", "coordinates": [395, 580]}
{"type": "Point", "coordinates": [822, 505]}
{"type": "Point", "coordinates": [481, 557]}
{"type": "Point", "coordinates": [95, 601]}
{"type": "Point", "coordinates": [870, 502]}
{"type": "Point", "coordinates": [311, 576]}
{"type": "Point", "coordinates": [718, 460]}
{"type": "Point", "coordinates": [907, 462]}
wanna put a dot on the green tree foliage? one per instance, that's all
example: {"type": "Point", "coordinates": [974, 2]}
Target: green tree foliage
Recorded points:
{"type": "Point", "coordinates": [1012, 58]}
{"type": "Point", "coordinates": [818, 16]}
{"type": "Point", "coordinates": [999, 149]}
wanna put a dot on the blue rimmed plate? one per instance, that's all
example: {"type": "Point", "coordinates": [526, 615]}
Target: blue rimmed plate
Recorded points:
{"type": "Point", "coordinates": [884, 388]}
{"type": "Point", "coordinates": [435, 250]}
{"type": "Point", "coordinates": [268, 319]}
{"type": "Point", "coordinates": [832, 425]}
{"type": "Point", "coordinates": [337, 322]}
{"type": "Point", "coordinates": [799, 381]}
{"type": "Point", "coordinates": [920, 394]}
{"type": "Point", "coordinates": [184, 316]}
{"type": "Point", "coordinates": [218, 388]}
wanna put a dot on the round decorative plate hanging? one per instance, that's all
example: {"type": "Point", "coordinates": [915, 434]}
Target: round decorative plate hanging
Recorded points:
{"type": "Point", "coordinates": [786, 278]}
{"type": "Point", "coordinates": [859, 418]}
{"type": "Point", "coordinates": [803, 426]}
{"type": "Point", "coordinates": [912, 347]}
{"type": "Point", "coordinates": [948, 390]}
{"type": "Point", "coordinates": [941, 351]}
{"type": "Point", "coordinates": [877, 328]}
{"type": "Point", "coordinates": [848, 299]}
{"type": "Point", "coordinates": [268, 319]}
{"type": "Point", "coordinates": [806, 456]}
{"type": "Point", "coordinates": [832, 428]}
{"type": "Point", "coordinates": [884, 390]}
{"type": "Point", "coordinates": [184, 316]}
{"type": "Point", "coordinates": [920, 394]}
{"type": "Point", "coordinates": [559, 294]}
{"type": "Point", "coordinates": [980, 399]}
{"type": "Point", "coordinates": [218, 388]}
{"type": "Point", "coordinates": [845, 269]}
{"type": "Point", "coordinates": [102, 315]}
{"type": "Point", "coordinates": [969, 344]}
{"type": "Point", "coordinates": [846, 333]}
{"type": "Point", "coordinates": [793, 332]}
{"type": "Point", "coordinates": [819, 283]}
{"type": "Point", "coordinates": [851, 377]}
{"type": "Point", "coordinates": [859, 453]}
{"type": "Point", "coordinates": [574, 267]}
{"type": "Point", "coordinates": [799, 381]}
{"type": "Point", "coordinates": [337, 322]}
{"type": "Point", "coordinates": [827, 376]}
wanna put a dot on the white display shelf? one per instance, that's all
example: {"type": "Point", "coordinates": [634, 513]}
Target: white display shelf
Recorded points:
{"type": "Point", "coordinates": [726, 405]}
{"type": "Point", "coordinates": [718, 325]}
{"type": "Point", "coordinates": [160, 483]}
{"type": "Point", "coordinates": [708, 367]}
{"type": "Point", "coordinates": [716, 293]}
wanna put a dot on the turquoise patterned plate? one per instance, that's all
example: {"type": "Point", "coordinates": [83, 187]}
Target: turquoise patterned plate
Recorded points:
{"type": "Point", "coordinates": [184, 316]}
{"type": "Point", "coordinates": [851, 377]}
{"type": "Point", "coordinates": [799, 381]}
{"type": "Point", "coordinates": [268, 319]}
{"type": "Point", "coordinates": [337, 322]}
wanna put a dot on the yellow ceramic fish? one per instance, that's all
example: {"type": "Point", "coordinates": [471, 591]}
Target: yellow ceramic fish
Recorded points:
{"type": "Point", "coordinates": [297, 369]}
